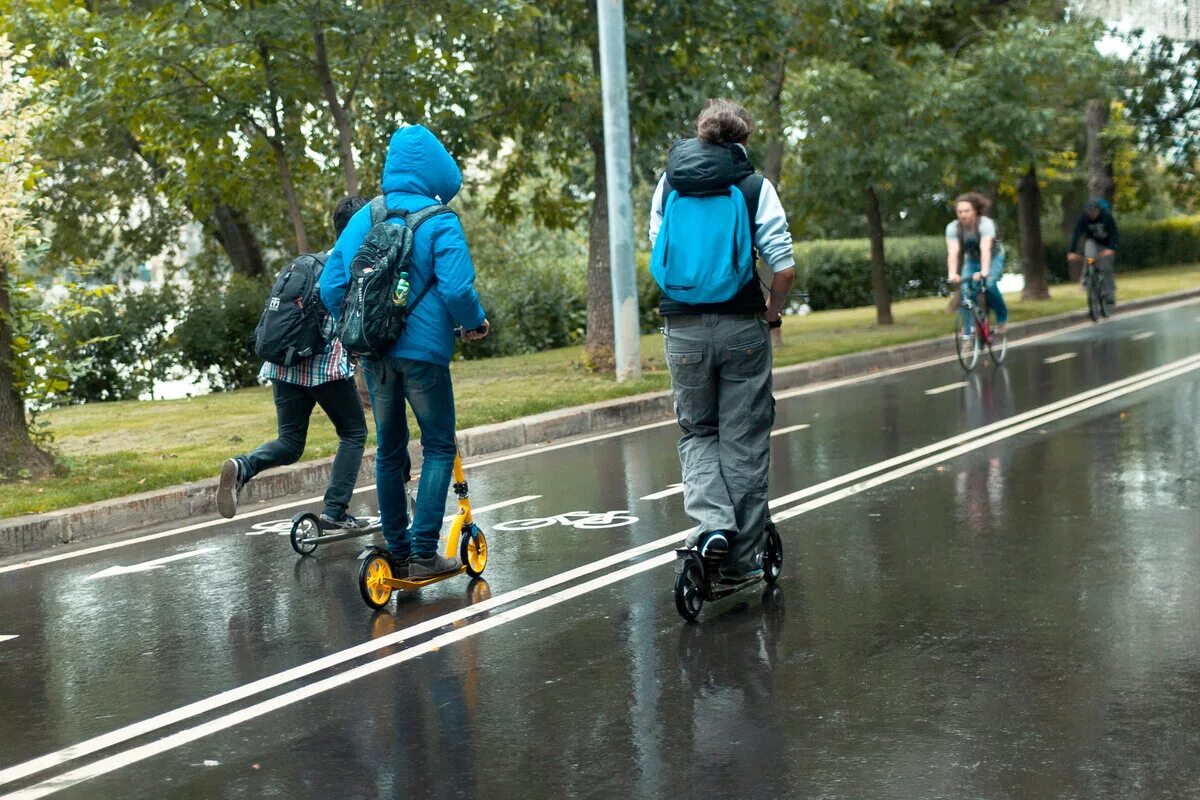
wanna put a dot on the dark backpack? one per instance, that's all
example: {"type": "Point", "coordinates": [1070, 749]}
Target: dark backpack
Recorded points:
{"type": "Point", "coordinates": [371, 322]}
{"type": "Point", "coordinates": [290, 328]}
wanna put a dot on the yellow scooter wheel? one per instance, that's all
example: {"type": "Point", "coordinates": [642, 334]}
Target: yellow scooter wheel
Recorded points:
{"type": "Point", "coordinates": [375, 569]}
{"type": "Point", "coordinates": [472, 551]}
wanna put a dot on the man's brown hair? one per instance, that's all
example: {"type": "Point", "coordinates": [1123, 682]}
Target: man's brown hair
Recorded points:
{"type": "Point", "coordinates": [723, 121]}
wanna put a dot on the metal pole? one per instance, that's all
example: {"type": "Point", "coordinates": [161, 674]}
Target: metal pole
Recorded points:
{"type": "Point", "coordinates": [619, 172]}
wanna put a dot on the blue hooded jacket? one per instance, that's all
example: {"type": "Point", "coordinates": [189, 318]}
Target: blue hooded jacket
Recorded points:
{"type": "Point", "coordinates": [417, 173]}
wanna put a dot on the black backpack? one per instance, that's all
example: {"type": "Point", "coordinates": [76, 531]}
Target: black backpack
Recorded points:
{"type": "Point", "coordinates": [290, 328]}
{"type": "Point", "coordinates": [371, 322]}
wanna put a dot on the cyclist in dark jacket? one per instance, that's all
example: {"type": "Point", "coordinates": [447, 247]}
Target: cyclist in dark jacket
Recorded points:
{"type": "Point", "coordinates": [1098, 230]}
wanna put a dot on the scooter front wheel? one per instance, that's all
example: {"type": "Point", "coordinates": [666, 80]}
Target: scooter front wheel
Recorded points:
{"type": "Point", "coordinates": [689, 587]}
{"type": "Point", "coordinates": [376, 568]}
{"type": "Point", "coordinates": [473, 551]}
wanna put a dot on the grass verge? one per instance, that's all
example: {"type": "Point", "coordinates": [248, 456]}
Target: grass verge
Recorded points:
{"type": "Point", "coordinates": [122, 448]}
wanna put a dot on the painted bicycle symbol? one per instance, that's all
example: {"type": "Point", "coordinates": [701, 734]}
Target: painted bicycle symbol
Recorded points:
{"type": "Point", "coordinates": [283, 527]}
{"type": "Point", "coordinates": [583, 520]}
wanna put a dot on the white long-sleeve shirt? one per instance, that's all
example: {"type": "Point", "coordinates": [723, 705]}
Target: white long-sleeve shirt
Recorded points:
{"type": "Point", "coordinates": [772, 238]}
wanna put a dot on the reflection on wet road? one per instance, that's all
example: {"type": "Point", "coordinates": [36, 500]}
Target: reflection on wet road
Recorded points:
{"type": "Point", "coordinates": [989, 590]}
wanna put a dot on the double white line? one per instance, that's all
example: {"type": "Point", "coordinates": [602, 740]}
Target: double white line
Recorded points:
{"type": "Point", "coordinates": [825, 493]}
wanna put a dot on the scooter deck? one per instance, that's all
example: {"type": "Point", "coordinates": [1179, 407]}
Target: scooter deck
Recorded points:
{"type": "Point", "coordinates": [722, 589]}
{"type": "Point", "coordinates": [417, 583]}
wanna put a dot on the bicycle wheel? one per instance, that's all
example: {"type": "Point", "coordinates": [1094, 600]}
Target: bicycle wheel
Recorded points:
{"type": "Point", "coordinates": [1105, 304]}
{"type": "Point", "coordinates": [998, 346]}
{"type": "Point", "coordinates": [1094, 297]}
{"type": "Point", "coordinates": [966, 339]}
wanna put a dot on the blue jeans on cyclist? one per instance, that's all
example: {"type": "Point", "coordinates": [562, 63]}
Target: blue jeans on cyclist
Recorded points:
{"type": "Point", "coordinates": [426, 389]}
{"type": "Point", "coordinates": [991, 291]}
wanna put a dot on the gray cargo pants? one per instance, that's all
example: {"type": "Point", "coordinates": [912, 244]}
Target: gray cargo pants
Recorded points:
{"type": "Point", "coordinates": [721, 379]}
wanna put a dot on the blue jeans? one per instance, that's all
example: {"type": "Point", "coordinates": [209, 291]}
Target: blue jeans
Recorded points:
{"type": "Point", "coordinates": [293, 407]}
{"type": "Point", "coordinates": [427, 390]}
{"type": "Point", "coordinates": [995, 300]}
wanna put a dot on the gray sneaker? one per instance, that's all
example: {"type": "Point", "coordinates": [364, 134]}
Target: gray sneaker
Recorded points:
{"type": "Point", "coordinates": [434, 565]}
{"type": "Point", "coordinates": [233, 478]}
{"type": "Point", "coordinates": [346, 522]}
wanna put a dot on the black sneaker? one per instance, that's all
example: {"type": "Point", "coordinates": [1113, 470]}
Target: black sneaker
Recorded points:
{"type": "Point", "coordinates": [346, 522]}
{"type": "Point", "coordinates": [434, 565]}
{"type": "Point", "coordinates": [233, 478]}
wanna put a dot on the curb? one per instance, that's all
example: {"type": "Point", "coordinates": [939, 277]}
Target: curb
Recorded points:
{"type": "Point", "coordinates": [123, 515]}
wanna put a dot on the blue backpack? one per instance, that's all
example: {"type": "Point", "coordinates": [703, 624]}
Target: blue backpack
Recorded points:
{"type": "Point", "coordinates": [704, 252]}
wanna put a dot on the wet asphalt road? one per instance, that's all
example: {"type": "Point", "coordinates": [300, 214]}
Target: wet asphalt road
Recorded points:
{"type": "Point", "coordinates": [1019, 620]}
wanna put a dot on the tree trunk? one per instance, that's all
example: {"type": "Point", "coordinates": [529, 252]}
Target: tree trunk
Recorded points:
{"type": "Point", "coordinates": [237, 238]}
{"type": "Point", "coordinates": [289, 194]}
{"type": "Point", "coordinates": [773, 157]}
{"type": "Point", "coordinates": [1033, 253]}
{"type": "Point", "coordinates": [19, 456]}
{"type": "Point", "coordinates": [600, 335]}
{"type": "Point", "coordinates": [879, 287]}
{"type": "Point", "coordinates": [340, 114]}
{"type": "Point", "coordinates": [1100, 174]}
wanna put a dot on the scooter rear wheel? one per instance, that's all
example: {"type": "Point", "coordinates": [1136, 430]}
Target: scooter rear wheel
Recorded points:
{"type": "Point", "coordinates": [772, 555]}
{"type": "Point", "coordinates": [305, 530]}
{"type": "Point", "coordinates": [689, 588]}
{"type": "Point", "coordinates": [374, 570]}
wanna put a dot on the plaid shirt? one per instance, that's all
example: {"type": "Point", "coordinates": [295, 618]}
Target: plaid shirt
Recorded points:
{"type": "Point", "coordinates": [332, 365]}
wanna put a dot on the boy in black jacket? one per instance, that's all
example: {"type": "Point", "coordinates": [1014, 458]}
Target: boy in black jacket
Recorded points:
{"type": "Point", "coordinates": [1098, 230]}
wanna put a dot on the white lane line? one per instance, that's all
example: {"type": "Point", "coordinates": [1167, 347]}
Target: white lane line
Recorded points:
{"type": "Point", "coordinates": [979, 443]}
{"type": "Point", "coordinates": [147, 566]}
{"type": "Point", "coordinates": [790, 429]}
{"type": "Point", "coordinates": [494, 506]}
{"type": "Point", "coordinates": [984, 430]}
{"type": "Point", "coordinates": [675, 488]}
{"type": "Point", "coordinates": [143, 752]}
{"type": "Point", "coordinates": [797, 392]}
{"type": "Point", "coordinates": [1137, 337]}
{"type": "Point", "coordinates": [6, 637]}
{"type": "Point", "coordinates": [949, 387]}
{"type": "Point", "coordinates": [120, 735]}
{"type": "Point", "coordinates": [1059, 358]}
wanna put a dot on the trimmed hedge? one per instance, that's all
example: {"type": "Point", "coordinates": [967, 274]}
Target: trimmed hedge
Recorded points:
{"type": "Point", "coordinates": [836, 273]}
{"type": "Point", "coordinates": [1145, 244]}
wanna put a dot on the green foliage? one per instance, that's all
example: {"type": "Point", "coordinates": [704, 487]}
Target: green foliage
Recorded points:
{"type": "Point", "coordinates": [1143, 245]}
{"type": "Point", "coordinates": [836, 273]}
{"type": "Point", "coordinates": [215, 335]}
{"type": "Point", "coordinates": [123, 349]}
{"type": "Point", "coordinates": [53, 343]}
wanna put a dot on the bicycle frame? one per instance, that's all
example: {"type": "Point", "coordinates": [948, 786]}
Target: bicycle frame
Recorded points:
{"type": "Point", "coordinates": [976, 305]}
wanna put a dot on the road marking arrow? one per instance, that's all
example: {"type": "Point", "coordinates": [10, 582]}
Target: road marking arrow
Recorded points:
{"type": "Point", "coordinates": [6, 637]}
{"type": "Point", "coordinates": [151, 565]}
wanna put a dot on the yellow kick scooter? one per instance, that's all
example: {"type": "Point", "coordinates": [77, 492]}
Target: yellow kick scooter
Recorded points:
{"type": "Point", "coordinates": [376, 578]}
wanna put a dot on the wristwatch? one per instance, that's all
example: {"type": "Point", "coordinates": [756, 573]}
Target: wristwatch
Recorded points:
{"type": "Point", "coordinates": [776, 324]}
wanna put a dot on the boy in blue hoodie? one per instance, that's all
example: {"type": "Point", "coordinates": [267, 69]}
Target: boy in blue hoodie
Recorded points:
{"type": "Point", "coordinates": [418, 173]}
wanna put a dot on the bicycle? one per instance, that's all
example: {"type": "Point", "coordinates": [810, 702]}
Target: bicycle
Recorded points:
{"type": "Point", "coordinates": [972, 331]}
{"type": "Point", "coordinates": [1097, 298]}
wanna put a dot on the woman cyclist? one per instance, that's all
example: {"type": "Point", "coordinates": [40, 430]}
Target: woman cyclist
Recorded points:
{"type": "Point", "coordinates": [974, 253]}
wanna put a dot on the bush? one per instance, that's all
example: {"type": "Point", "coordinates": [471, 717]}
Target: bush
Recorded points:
{"type": "Point", "coordinates": [533, 306]}
{"type": "Point", "coordinates": [1146, 244]}
{"type": "Point", "coordinates": [124, 348]}
{"type": "Point", "coordinates": [215, 336]}
{"type": "Point", "coordinates": [836, 273]}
